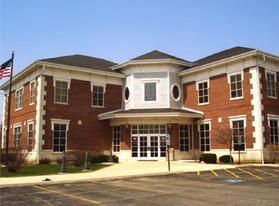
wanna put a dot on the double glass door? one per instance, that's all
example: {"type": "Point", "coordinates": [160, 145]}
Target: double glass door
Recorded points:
{"type": "Point", "coordinates": [148, 147]}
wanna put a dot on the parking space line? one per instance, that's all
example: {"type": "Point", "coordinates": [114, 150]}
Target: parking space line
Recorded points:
{"type": "Point", "coordinates": [198, 173]}
{"type": "Point", "coordinates": [133, 187]}
{"type": "Point", "coordinates": [271, 174]}
{"type": "Point", "coordinates": [256, 176]}
{"type": "Point", "coordinates": [276, 170]}
{"type": "Point", "coordinates": [214, 173]}
{"type": "Point", "coordinates": [233, 174]}
{"type": "Point", "coordinates": [67, 195]}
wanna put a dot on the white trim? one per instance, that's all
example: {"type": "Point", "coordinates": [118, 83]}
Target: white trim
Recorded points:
{"type": "Point", "coordinates": [237, 118]}
{"type": "Point", "coordinates": [143, 91]}
{"type": "Point", "coordinates": [30, 83]}
{"type": "Point", "coordinates": [179, 91]}
{"type": "Point", "coordinates": [229, 82]}
{"type": "Point", "coordinates": [21, 88]}
{"type": "Point", "coordinates": [124, 94]}
{"type": "Point", "coordinates": [267, 71]}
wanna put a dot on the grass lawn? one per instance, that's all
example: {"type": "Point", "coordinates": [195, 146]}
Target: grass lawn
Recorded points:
{"type": "Point", "coordinates": [45, 169]}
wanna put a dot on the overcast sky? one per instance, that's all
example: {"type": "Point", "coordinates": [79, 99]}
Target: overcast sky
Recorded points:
{"type": "Point", "coordinates": [119, 30]}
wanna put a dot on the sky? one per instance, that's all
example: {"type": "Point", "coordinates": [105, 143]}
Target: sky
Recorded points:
{"type": "Point", "coordinates": [119, 30]}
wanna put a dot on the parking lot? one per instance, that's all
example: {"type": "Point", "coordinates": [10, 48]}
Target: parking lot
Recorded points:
{"type": "Point", "coordinates": [238, 186]}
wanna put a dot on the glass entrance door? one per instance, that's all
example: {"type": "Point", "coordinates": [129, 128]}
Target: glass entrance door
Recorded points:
{"type": "Point", "coordinates": [148, 147]}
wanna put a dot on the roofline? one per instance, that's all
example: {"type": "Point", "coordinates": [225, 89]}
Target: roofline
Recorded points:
{"type": "Point", "coordinates": [61, 66]}
{"type": "Point", "coordinates": [152, 61]}
{"type": "Point", "coordinates": [227, 60]}
{"type": "Point", "coordinates": [105, 116]}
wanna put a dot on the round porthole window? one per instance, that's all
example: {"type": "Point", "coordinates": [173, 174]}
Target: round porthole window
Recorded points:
{"type": "Point", "coordinates": [175, 92]}
{"type": "Point", "coordinates": [126, 94]}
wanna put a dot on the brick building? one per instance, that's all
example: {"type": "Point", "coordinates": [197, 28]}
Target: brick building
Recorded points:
{"type": "Point", "coordinates": [138, 107]}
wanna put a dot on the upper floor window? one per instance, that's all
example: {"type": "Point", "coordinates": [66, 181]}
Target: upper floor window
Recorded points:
{"type": "Point", "coordinates": [61, 92]}
{"type": "Point", "coordinates": [203, 92]}
{"type": "Point", "coordinates": [235, 82]}
{"type": "Point", "coordinates": [204, 131]}
{"type": "Point", "coordinates": [150, 93]}
{"type": "Point", "coordinates": [18, 98]}
{"type": "Point", "coordinates": [184, 137]}
{"type": "Point", "coordinates": [176, 92]}
{"type": "Point", "coordinates": [271, 84]}
{"type": "Point", "coordinates": [98, 96]}
{"type": "Point", "coordinates": [32, 92]}
{"type": "Point", "coordinates": [17, 135]}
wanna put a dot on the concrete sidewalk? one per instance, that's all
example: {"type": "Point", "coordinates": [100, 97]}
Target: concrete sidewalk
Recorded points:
{"type": "Point", "coordinates": [120, 170]}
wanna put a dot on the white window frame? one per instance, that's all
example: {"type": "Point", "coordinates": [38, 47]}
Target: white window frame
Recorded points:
{"type": "Point", "coordinates": [179, 92]}
{"type": "Point", "coordinates": [60, 121]}
{"type": "Point", "coordinates": [116, 137]}
{"type": "Point", "coordinates": [156, 87]}
{"type": "Point", "coordinates": [273, 118]}
{"type": "Point", "coordinates": [104, 91]}
{"type": "Point", "coordinates": [19, 98]}
{"type": "Point", "coordinates": [30, 138]}
{"type": "Point", "coordinates": [32, 92]}
{"type": "Point", "coordinates": [242, 89]}
{"type": "Point", "coordinates": [68, 87]}
{"type": "Point", "coordinates": [275, 82]}
{"type": "Point", "coordinates": [199, 130]}
{"type": "Point", "coordinates": [17, 136]}
{"type": "Point", "coordinates": [197, 88]}
{"type": "Point", "coordinates": [239, 118]}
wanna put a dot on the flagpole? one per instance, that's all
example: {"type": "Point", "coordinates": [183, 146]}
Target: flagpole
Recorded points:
{"type": "Point", "coordinates": [9, 109]}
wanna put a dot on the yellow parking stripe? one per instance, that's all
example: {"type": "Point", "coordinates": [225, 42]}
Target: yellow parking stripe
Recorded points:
{"type": "Point", "coordinates": [276, 170]}
{"type": "Point", "coordinates": [266, 172]}
{"type": "Point", "coordinates": [214, 173]}
{"type": "Point", "coordinates": [68, 195]}
{"type": "Point", "coordinates": [249, 173]}
{"type": "Point", "coordinates": [133, 187]}
{"type": "Point", "coordinates": [233, 174]}
{"type": "Point", "coordinates": [198, 173]}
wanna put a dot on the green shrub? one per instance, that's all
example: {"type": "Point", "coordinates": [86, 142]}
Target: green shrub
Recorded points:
{"type": "Point", "coordinates": [208, 158]}
{"type": "Point", "coordinates": [102, 158]}
{"type": "Point", "coordinates": [226, 159]}
{"type": "Point", "coordinates": [76, 158]}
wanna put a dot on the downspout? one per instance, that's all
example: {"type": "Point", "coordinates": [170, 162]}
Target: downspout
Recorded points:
{"type": "Point", "coordinates": [39, 119]}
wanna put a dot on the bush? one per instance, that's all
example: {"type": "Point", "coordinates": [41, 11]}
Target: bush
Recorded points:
{"type": "Point", "coordinates": [103, 158]}
{"type": "Point", "coordinates": [273, 152]}
{"type": "Point", "coordinates": [226, 159]}
{"type": "Point", "coordinates": [75, 158]}
{"type": "Point", "coordinates": [208, 158]}
{"type": "Point", "coordinates": [16, 159]}
{"type": "Point", "coordinates": [45, 161]}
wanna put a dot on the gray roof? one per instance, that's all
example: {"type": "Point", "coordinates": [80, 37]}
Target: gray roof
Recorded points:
{"type": "Point", "coordinates": [82, 61]}
{"type": "Point", "coordinates": [222, 55]}
{"type": "Point", "coordinates": [158, 55]}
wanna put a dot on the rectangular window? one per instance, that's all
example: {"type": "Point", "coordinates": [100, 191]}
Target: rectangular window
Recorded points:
{"type": "Point", "coordinates": [205, 137]}
{"type": "Point", "coordinates": [30, 136]}
{"type": "Point", "coordinates": [18, 98]}
{"type": "Point", "coordinates": [184, 138]}
{"type": "Point", "coordinates": [98, 96]}
{"type": "Point", "coordinates": [236, 86]}
{"type": "Point", "coordinates": [32, 92]}
{"type": "Point", "coordinates": [238, 132]}
{"type": "Point", "coordinates": [59, 137]}
{"type": "Point", "coordinates": [274, 131]}
{"type": "Point", "coordinates": [150, 93]}
{"type": "Point", "coordinates": [271, 84]}
{"type": "Point", "coordinates": [61, 92]}
{"type": "Point", "coordinates": [17, 136]}
{"type": "Point", "coordinates": [116, 139]}
{"type": "Point", "coordinates": [203, 92]}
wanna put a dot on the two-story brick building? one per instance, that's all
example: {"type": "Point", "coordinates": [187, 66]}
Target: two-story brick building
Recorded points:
{"type": "Point", "coordinates": [79, 102]}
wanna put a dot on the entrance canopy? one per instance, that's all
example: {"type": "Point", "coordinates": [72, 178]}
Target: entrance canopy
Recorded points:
{"type": "Point", "coordinates": [150, 115]}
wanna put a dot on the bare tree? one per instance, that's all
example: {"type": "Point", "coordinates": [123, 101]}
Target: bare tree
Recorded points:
{"type": "Point", "coordinates": [225, 137]}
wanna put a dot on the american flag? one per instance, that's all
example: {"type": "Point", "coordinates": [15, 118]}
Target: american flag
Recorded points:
{"type": "Point", "coordinates": [5, 69]}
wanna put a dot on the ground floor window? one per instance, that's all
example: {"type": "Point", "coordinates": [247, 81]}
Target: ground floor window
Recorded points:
{"type": "Point", "coordinates": [238, 132]}
{"type": "Point", "coordinates": [204, 130]}
{"type": "Point", "coordinates": [274, 131]}
{"type": "Point", "coordinates": [184, 137]}
{"type": "Point", "coordinates": [116, 139]}
{"type": "Point", "coordinates": [59, 137]}
{"type": "Point", "coordinates": [30, 135]}
{"type": "Point", "coordinates": [17, 135]}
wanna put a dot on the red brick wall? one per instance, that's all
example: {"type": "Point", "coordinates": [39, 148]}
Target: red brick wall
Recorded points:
{"type": "Point", "coordinates": [22, 116]}
{"type": "Point", "coordinates": [220, 105]}
{"type": "Point", "coordinates": [270, 105]}
{"type": "Point", "coordinates": [92, 133]}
